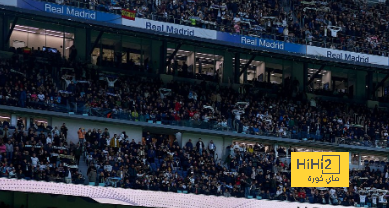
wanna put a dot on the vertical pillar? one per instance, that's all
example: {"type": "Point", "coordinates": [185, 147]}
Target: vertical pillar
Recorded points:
{"type": "Point", "coordinates": [370, 94]}
{"type": "Point", "coordinates": [118, 51]}
{"type": "Point", "coordinates": [190, 61]}
{"type": "Point", "coordinates": [163, 52]}
{"type": "Point", "coordinates": [359, 160]}
{"type": "Point", "coordinates": [299, 75]}
{"type": "Point", "coordinates": [245, 76]}
{"type": "Point", "coordinates": [14, 120]}
{"type": "Point", "coordinates": [4, 25]}
{"type": "Point", "coordinates": [88, 45]}
{"type": "Point", "coordinates": [268, 74]}
{"type": "Point", "coordinates": [350, 155]}
{"type": "Point", "coordinates": [237, 68]}
{"type": "Point", "coordinates": [305, 77]}
{"type": "Point", "coordinates": [156, 56]}
{"type": "Point", "coordinates": [28, 123]}
{"type": "Point", "coordinates": [360, 85]}
{"type": "Point", "coordinates": [327, 79]}
{"type": "Point", "coordinates": [228, 70]}
{"type": "Point", "coordinates": [82, 42]}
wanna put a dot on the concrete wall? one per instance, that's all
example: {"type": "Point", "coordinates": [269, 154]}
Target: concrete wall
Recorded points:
{"type": "Point", "coordinates": [73, 125]}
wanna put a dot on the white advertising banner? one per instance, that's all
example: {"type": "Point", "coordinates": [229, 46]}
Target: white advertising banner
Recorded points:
{"type": "Point", "coordinates": [347, 56]}
{"type": "Point", "coordinates": [8, 2]}
{"type": "Point", "coordinates": [170, 28]}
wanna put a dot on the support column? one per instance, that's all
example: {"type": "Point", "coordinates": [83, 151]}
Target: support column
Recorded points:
{"type": "Point", "coordinates": [360, 85]}
{"type": "Point", "coordinates": [299, 75]}
{"type": "Point", "coordinates": [369, 83]}
{"type": "Point", "coordinates": [14, 120]}
{"type": "Point", "coordinates": [228, 70]}
{"type": "Point", "coordinates": [28, 123]}
{"type": "Point", "coordinates": [350, 155]}
{"type": "Point", "coordinates": [163, 52]}
{"type": "Point", "coordinates": [4, 25]}
{"type": "Point", "coordinates": [82, 42]}
{"type": "Point", "coordinates": [305, 77]}
{"type": "Point", "coordinates": [237, 69]}
{"type": "Point", "coordinates": [359, 160]}
{"type": "Point", "coordinates": [156, 56]}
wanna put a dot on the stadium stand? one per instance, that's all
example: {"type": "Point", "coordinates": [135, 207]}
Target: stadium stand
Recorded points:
{"type": "Point", "coordinates": [86, 91]}
{"type": "Point", "coordinates": [46, 81]}
{"type": "Point", "coordinates": [357, 26]}
{"type": "Point", "coordinates": [115, 160]}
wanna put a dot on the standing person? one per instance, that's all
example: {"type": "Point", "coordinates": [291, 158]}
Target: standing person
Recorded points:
{"type": "Point", "coordinates": [111, 85]}
{"type": "Point", "coordinates": [362, 199]}
{"type": "Point", "coordinates": [212, 148]}
{"type": "Point", "coordinates": [200, 146]}
{"type": "Point", "coordinates": [92, 176]}
{"type": "Point", "coordinates": [114, 143]}
{"type": "Point", "coordinates": [81, 135]}
{"type": "Point", "coordinates": [64, 131]}
{"type": "Point", "coordinates": [77, 153]}
{"type": "Point", "coordinates": [9, 148]}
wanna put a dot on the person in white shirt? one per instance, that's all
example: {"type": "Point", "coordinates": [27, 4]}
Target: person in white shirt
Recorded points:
{"type": "Point", "coordinates": [55, 131]}
{"type": "Point", "coordinates": [41, 96]}
{"type": "Point", "coordinates": [237, 114]}
{"type": "Point", "coordinates": [111, 84]}
{"type": "Point", "coordinates": [362, 199]}
{"type": "Point", "coordinates": [67, 81]}
{"type": "Point", "coordinates": [49, 140]}
{"type": "Point", "coordinates": [374, 200]}
{"type": "Point", "coordinates": [334, 30]}
{"type": "Point", "coordinates": [212, 148]}
{"type": "Point", "coordinates": [34, 160]}
{"type": "Point", "coordinates": [236, 19]}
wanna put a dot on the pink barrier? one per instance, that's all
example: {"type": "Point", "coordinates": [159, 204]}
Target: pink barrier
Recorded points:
{"type": "Point", "coordinates": [143, 198]}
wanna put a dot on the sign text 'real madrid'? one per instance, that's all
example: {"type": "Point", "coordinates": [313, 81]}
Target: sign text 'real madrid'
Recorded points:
{"type": "Point", "coordinates": [170, 29]}
{"type": "Point", "coordinates": [70, 11]}
{"type": "Point", "coordinates": [262, 42]}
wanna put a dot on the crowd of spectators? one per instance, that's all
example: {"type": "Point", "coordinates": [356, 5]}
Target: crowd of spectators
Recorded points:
{"type": "Point", "coordinates": [38, 152]}
{"type": "Point", "coordinates": [248, 170]}
{"type": "Point", "coordinates": [201, 105]}
{"type": "Point", "coordinates": [358, 26]}
{"type": "Point", "coordinates": [44, 153]}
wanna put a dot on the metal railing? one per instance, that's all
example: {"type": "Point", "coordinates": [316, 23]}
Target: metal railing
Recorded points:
{"type": "Point", "coordinates": [79, 108]}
